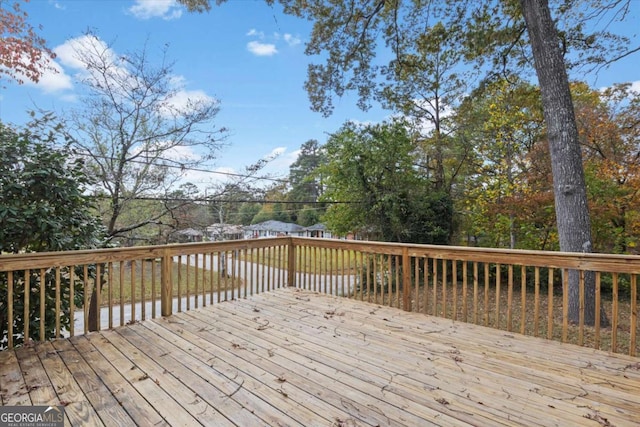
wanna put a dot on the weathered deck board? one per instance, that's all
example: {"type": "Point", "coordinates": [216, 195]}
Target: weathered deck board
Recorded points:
{"type": "Point", "coordinates": [447, 365]}
{"type": "Point", "coordinates": [14, 389]}
{"type": "Point", "coordinates": [513, 362]}
{"type": "Point", "coordinates": [545, 362]}
{"type": "Point", "coordinates": [296, 358]}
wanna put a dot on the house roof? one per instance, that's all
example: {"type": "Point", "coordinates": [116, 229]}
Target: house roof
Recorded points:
{"type": "Point", "coordinates": [317, 227]}
{"type": "Point", "coordinates": [190, 232]}
{"type": "Point", "coordinates": [277, 226]}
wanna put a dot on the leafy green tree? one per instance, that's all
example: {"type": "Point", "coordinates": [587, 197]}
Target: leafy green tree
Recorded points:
{"type": "Point", "coordinates": [309, 215]}
{"type": "Point", "coordinates": [370, 169]}
{"type": "Point", "coordinates": [306, 184]}
{"type": "Point", "coordinates": [607, 125]}
{"type": "Point", "coordinates": [246, 212]}
{"type": "Point", "coordinates": [233, 203]}
{"type": "Point", "coordinates": [503, 119]}
{"type": "Point", "coordinates": [424, 84]}
{"type": "Point", "coordinates": [276, 208]}
{"type": "Point", "coordinates": [183, 213]}
{"type": "Point", "coordinates": [496, 35]}
{"type": "Point", "coordinates": [43, 207]}
{"type": "Point", "coordinates": [272, 211]}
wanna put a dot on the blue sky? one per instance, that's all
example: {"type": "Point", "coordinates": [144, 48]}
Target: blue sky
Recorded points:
{"type": "Point", "coordinates": [245, 53]}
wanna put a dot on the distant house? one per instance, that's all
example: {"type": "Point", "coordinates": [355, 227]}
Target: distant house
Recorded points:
{"type": "Point", "coordinates": [189, 235]}
{"type": "Point", "coordinates": [217, 232]}
{"type": "Point", "coordinates": [273, 228]}
{"type": "Point", "coordinates": [317, 230]}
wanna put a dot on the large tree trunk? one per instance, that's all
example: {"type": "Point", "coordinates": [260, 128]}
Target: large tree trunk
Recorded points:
{"type": "Point", "coordinates": [572, 211]}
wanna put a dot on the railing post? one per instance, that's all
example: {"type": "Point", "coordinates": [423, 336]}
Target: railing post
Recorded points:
{"type": "Point", "coordinates": [406, 280]}
{"type": "Point", "coordinates": [166, 285]}
{"type": "Point", "coordinates": [291, 267]}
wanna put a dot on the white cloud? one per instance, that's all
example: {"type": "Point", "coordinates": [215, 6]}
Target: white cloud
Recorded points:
{"type": "Point", "coordinates": [57, 5]}
{"type": "Point", "coordinates": [225, 170]}
{"type": "Point", "coordinates": [284, 160]}
{"type": "Point", "coordinates": [362, 123]}
{"type": "Point", "coordinates": [70, 52]}
{"type": "Point", "coordinates": [635, 86]}
{"type": "Point", "coordinates": [183, 99]}
{"type": "Point", "coordinates": [69, 97]}
{"type": "Point", "coordinates": [181, 153]}
{"type": "Point", "coordinates": [261, 49]}
{"type": "Point", "coordinates": [55, 79]}
{"type": "Point", "coordinates": [76, 52]}
{"type": "Point", "coordinates": [52, 76]}
{"type": "Point", "coordinates": [278, 151]}
{"type": "Point", "coordinates": [255, 33]}
{"type": "Point", "coordinates": [206, 181]}
{"type": "Point", "coordinates": [279, 161]}
{"type": "Point", "coordinates": [292, 40]}
{"type": "Point", "coordinates": [147, 9]}
{"type": "Point", "coordinates": [177, 81]}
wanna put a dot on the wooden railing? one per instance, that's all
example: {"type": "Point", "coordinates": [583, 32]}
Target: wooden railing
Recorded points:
{"type": "Point", "coordinates": [61, 293]}
{"type": "Point", "coordinates": [518, 291]}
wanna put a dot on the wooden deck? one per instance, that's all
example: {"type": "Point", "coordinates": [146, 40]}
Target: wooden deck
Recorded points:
{"type": "Point", "coordinates": [296, 358]}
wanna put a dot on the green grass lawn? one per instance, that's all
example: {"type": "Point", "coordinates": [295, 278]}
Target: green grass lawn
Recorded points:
{"type": "Point", "coordinates": [312, 260]}
{"type": "Point", "coordinates": [144, 279]}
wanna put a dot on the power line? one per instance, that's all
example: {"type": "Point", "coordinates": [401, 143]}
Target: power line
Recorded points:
{"type": "Point", "coordinates": [214, 200]}
{"type": "Point", "coordinates": [194, 169]}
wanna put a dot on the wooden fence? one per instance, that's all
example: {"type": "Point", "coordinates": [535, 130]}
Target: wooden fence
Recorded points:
{"type": "Point", "coordinates": [62, 293]}
{"type": "Point", "coordinates": [528, 292]}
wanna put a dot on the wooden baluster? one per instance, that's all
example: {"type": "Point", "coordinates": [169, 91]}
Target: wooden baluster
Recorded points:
{"type": "Point", "coordinates": [109, 293]}
{"type": "Point", "coordinates": [166, 283]}
{"type": "Point", "coordinates": [486, 294]}
{"type": "Point", "coordinates": [498, 284]}
{"type": "Point", "coordinates": [121, 274]}
{"type": "Point", "coordinates": [42, 303]}
{"type": "Point", "coordinates": [454, 288]}
{"type": "Point", "coordinates": [464, 291]}
{"type": "Point", "coordinates": [582, 308]}
{"type": "Point", "coordinates": [565, 304]}
{"type": "Point", "coordinates": [523, 299]}
{"type": "Point", "coordinates": [143, 290]}
{"type": "Point", "coordinates": [510, 298]}
{"type": "Point", "coordinates": [98, 287]}
{"type": "Point", "coordinates": [550, 304]}
{"type": "Point", "coordinates": [57, 307]}
{"type": "Point", "coordinates": [10, 310]}
{"type": "Point", "coordinates": [27, 296]}
{"type": "Point", "coordinates": [536, 302]}
{"type": "Point", "coordinates": [634, 315]}
{"type": "Point", "coordinates": [614, 314]}
{"type": "Point", "coordinates": [72, 301]}
{"type": "Point", "coordinates": [153, 288]}
{"type": "Point", "coordinates": [425, 285]}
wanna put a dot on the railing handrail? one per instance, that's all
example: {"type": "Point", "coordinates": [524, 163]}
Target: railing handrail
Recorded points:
{"type": "Point", "coordinates": [619, 263]}
{"type": "Point", "coordinates": [398, 273]}
{"type": "Point", "coordinates": [36, 260]}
